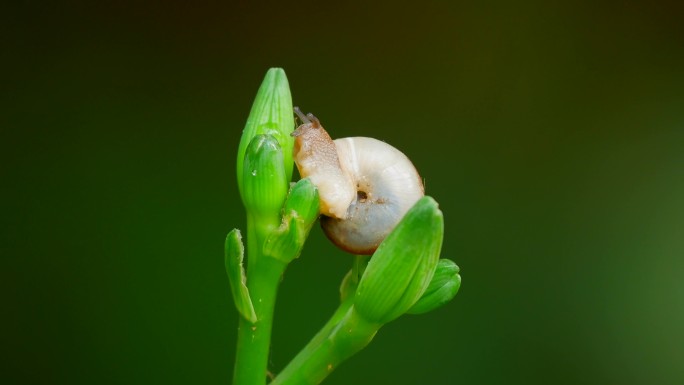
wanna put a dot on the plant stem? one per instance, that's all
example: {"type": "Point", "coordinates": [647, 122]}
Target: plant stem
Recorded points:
{"type": "Point", "coordinates": [263, 278]}
{"type": "Point", "coordinates": [343, 336]}
{"type": "Point", "coordinates": [324, 333]}
{"type": "Point", "coordinates": [358, 265]}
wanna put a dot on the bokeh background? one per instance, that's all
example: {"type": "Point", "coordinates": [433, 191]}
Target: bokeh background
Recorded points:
{"type": "Point", "coordinates": [551, 133]}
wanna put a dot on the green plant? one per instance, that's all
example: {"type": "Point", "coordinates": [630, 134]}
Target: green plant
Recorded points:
{"type": "Point", "coordinates": [404, 274]}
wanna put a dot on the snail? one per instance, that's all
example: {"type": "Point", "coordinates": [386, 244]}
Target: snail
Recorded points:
{"type": "Point", "coordinates": [365, 185]}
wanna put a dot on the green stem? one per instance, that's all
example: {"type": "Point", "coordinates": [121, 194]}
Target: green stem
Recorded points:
{"type": "Point", "coordinates": [343, 336]}
{"type": "Point", "coordinates": [263, 277]}
{"type": "Point", "coordinates": [358, 266]}
{"type": "Point", "coordinates": [324, 333]}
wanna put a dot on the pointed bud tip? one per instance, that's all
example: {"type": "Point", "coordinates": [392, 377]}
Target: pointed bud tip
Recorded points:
{"type": "Point", "coordinates": [443, 287]}
{"type": "Point", "coordinates": [271, 113]}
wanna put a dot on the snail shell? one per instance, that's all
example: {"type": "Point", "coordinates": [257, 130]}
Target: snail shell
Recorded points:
{"type": "Point", "coordinates": [365, 185]}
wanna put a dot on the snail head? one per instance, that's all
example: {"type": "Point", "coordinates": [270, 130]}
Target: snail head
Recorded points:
{"type": "Point", "coordinates": [309, 121]}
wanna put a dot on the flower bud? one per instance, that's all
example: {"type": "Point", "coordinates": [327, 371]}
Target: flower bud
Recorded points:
{"type": "Point", "coordinates": [299, 214]}
{"type": "Point", "coordinates": [442, 288]}
{"type": "Point", "coordinates": [271, 114]}
{"type": "Point", "coordinates": [303, 202]}
{"type": "Point", "coordinates": [403, 265]}
{"type": "Point", "coordinates": [265, 184]}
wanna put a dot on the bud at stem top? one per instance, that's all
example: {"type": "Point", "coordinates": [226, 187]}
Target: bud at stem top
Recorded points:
{"type": "Point", "coordinates": [271, 114]}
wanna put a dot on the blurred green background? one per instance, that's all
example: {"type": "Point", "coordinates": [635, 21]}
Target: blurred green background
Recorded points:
{"type": "Point", "coordinates": [551, 133]}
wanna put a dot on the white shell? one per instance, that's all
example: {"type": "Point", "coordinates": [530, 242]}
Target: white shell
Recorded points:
{"type": "Point", "coordinates": [387, 184]}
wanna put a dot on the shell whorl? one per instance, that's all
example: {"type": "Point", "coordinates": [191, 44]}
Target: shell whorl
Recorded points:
{"type": "Point", "coordinates": [387, 185]}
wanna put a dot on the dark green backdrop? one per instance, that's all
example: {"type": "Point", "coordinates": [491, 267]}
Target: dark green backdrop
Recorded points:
{"type": "Point", "coordinates": [551, 133]}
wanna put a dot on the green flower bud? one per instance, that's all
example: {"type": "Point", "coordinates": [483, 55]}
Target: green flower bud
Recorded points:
{"type": "Point", "coordinates": [264, 181]}
{"type": "Point", "coordinates": [271, 114]}
{"type": "Point", "coordinates": [303, 202]}
{"type": "Point", "coordinates": [403, 265]}
{"type": "Point", "coordinates": [442, 288]}
{"type": "Point", "coordinates": [234, 255]}
{"type": "Point", "coordinates": [299, 215]}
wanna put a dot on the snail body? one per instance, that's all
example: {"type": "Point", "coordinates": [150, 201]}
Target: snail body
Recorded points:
{"type": "Point", "coordinates": [365, 185]}
{"type": "Point", "coordinates": [317, 158]}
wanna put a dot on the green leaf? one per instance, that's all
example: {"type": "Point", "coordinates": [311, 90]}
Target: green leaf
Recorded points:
{"type": "Point", "coordinates": [351, 280]}
{"type": "Point", "coordinates": [271, 114]}
{"type": "Point", "coordinates": [303, 200]}
{"type": "Point", "coordinates": [442, 288]}
{"type": "Point", "coordinates": [299, 214]}
{"type": "Point", "coordinates": [234, 255]}
{"type": "Point", "coordinates": [403, 265]}
{"type": "Point", "coordinates": [265, 184]}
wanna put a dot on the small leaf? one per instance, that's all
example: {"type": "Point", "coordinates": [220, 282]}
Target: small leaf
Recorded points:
{"type": "Point", "coordinates": [299, 214]}
{"type": "Point", "coordinates": [351, 281]}
{"type": "Point", "coordinates": [234, 255]}
{"type": "Point", "coordinates": [442, 288]}
{"type": "Point", "coordinates": [303, 199]}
